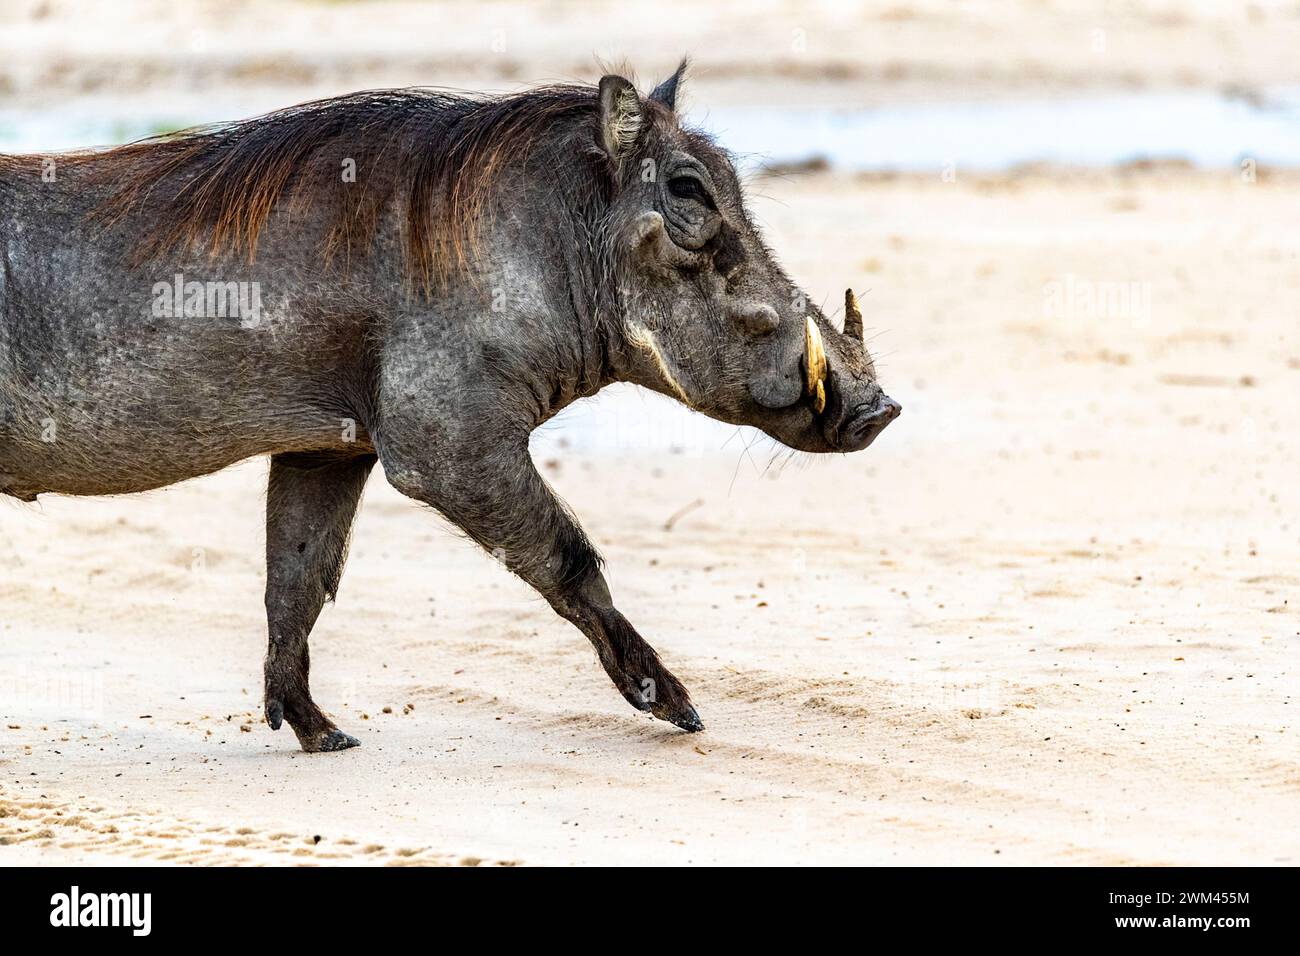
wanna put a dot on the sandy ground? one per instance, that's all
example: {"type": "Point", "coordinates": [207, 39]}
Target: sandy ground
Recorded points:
{"type": "Point", "coordinates": [826, 53]}
{"type": "Point", "coordinates": [1048, 618]}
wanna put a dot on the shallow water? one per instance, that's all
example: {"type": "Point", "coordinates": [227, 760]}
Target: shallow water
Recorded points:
{"type": "Point", "coordinates": [1204, 128]}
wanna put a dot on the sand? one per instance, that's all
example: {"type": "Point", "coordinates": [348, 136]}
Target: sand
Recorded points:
{"type": "Point", "coordinates": [776, 52]}
{"type": "Point", "coordinates": [1050, 617]}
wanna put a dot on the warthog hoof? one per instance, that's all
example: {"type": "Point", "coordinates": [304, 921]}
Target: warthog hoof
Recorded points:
{"type": "Point", "coordinates": [330, 740]}
{"type": "Point", "coordinates": [682, 715]}
{"type": "Point", "coordinates": [665, 698]}
{"type": "Point", "coordinates": [325, 740]}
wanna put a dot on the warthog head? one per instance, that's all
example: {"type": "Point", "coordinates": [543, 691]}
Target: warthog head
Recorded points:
{"type": "Point", "coordinates": [708, 315]}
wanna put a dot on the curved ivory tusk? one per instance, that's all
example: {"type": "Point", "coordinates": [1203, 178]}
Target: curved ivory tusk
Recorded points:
{"type": "Point", "coordinates": [852, 316]}
{"type": "Point", "coordinates": [816, 356]}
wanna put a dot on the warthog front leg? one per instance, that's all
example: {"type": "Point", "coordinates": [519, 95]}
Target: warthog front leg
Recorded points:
{"type": "Point", "coordinates": [502, 503]}
{"type": "Point", "coordinates": [310, 504]}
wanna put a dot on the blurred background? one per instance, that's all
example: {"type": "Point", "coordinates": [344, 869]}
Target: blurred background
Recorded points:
{"type": "Point", "coordinates": [909, 85]}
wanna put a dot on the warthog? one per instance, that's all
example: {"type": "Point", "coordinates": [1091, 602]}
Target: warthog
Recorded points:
{"type": "Point", "coordinates": [411, 277]}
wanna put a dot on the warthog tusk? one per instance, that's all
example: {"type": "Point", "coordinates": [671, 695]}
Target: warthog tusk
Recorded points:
{"type": "Point", "coordinates": [816, 356]}
{"type": "Point", "coordinates": [852, 316]}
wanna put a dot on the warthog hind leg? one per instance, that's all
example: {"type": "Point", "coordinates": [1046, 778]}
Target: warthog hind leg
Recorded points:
{"type": "Point", "coordinates": [310, 504]}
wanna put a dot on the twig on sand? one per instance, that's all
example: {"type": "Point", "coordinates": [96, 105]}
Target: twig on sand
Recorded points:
{"type": "Point", "coordinates": [681, 513]}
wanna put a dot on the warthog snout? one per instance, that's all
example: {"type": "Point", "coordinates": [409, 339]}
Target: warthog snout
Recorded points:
{"type": "Point", "coordinates": [815, 386]}
{"type": "Point", "coordinates": [840, 387]}
{"type": "Point", "coordinates": [867, 421]}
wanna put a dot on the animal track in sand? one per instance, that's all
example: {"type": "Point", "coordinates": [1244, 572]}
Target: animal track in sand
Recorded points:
{"type": "Point", "coordinates": [100, 832]}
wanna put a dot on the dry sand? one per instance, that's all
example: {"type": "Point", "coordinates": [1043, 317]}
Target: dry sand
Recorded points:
{"type": "Point", "coordinates": [1051, 617]}
{"type": "Point", "coordinates": [828, 54]}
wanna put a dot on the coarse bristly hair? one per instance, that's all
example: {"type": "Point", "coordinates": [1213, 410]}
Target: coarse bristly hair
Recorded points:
{"type": "Point", "coordinates": [431, 155]}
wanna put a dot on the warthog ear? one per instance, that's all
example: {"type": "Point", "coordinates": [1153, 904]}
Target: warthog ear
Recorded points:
{"type": "Point", "coordinates": [619, 117]}
{"type": "Point", "coordinates": [666, 92]}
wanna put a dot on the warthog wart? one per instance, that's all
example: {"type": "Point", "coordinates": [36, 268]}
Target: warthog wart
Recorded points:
{"type": "Point", "coordinates": [442, 273]}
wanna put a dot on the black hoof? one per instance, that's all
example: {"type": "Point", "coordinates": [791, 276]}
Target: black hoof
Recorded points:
{"type": "Point", "coordinates": [690, 721]}
{"type": "Point", "coordinates": [684, 717]}
{"type": "Point", "coordinates": [337, 740]}
{"type": "Point", "coordinates": [274, 714]}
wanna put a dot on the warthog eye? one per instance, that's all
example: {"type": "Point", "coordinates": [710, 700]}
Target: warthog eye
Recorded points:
{"type": "Point", "coordinates": [688, 187]}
